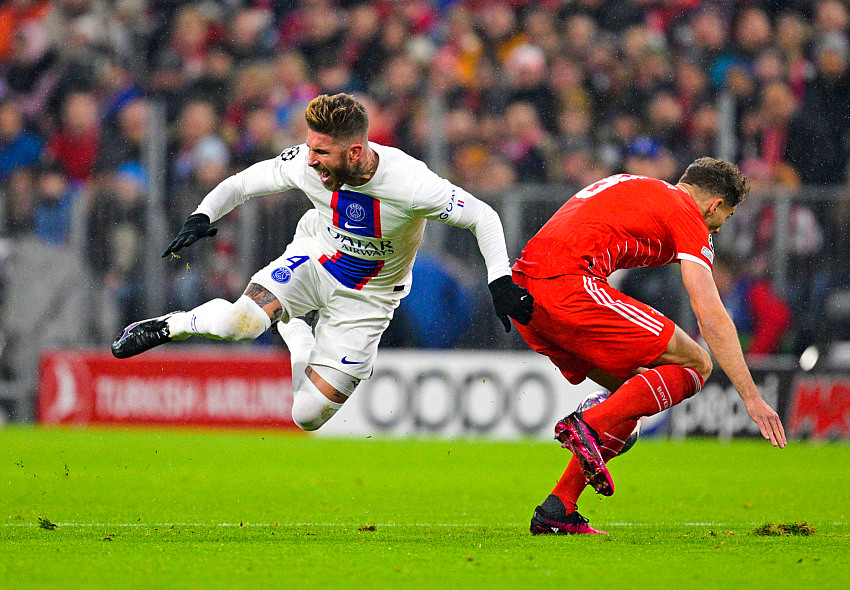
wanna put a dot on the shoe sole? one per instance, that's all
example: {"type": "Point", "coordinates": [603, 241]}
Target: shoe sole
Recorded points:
{"type": "Point", "coordinates": [573, 435]}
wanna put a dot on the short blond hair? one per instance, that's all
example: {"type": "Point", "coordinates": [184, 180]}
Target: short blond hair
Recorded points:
{"type": "Point", "coordinates": [340, 116]}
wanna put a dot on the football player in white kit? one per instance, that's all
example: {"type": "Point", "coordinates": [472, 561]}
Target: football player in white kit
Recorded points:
{"type": "Point", "coordinates": [351, 257]}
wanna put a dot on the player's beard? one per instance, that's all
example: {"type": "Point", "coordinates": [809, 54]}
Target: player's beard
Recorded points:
{"type": "Point", "coordinates": [345, 173]}
{"type": "Point", "coordinates": [333, 177]}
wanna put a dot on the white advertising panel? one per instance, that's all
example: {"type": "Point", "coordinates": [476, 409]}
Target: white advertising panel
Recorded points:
{"type": "Point", "coordinates": [459, 393]}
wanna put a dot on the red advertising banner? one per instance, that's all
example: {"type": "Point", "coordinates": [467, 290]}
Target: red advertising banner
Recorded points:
{"type": "Point", "coordinates": [192, 388]}
{"type": "Point", "coordinates": [820, 407]}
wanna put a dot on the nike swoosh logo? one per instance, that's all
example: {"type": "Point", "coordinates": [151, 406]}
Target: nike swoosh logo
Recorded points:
{"type": "Point", "coordinates": [352, 226]}
{"type": "Point", "coordinates": [345, 361]}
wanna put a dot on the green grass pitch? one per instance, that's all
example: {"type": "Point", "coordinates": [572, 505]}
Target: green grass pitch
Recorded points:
{"type": "Point", "coordinates": [250, 509]}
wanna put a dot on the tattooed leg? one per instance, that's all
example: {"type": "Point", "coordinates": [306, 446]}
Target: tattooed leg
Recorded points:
{"type": "Point", "coordinates": [264, 298]}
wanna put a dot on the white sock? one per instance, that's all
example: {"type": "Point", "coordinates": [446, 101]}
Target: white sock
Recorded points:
{"type": "Point", "coordinates": [299, 339]}
{"type": "Point", "coordinates": [198, 321]}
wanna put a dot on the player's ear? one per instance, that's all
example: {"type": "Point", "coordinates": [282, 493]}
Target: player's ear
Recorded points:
{"type": "Point", "coordinates": [715, 203]}
{"type": "Point", "coordinates": [355, 150]}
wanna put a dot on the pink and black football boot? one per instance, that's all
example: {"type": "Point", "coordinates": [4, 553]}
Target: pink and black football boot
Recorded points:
{"type": "Point", "coordinates": [576, 435]}
{"type": "Point", "coordinates": [551, 518]}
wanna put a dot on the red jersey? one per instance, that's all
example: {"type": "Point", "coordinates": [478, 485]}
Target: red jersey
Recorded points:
{"type": "Point", "coordinates": [622, 221]}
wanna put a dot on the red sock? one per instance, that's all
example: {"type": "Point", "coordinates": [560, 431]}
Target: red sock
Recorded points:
{"type": "Point", "coordinates": [572, 483]}
{"type": "Point", "coordinates": [644, 395]}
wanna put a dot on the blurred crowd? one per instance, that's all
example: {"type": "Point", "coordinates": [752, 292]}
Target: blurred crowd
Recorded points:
{"type": "Point", "coordinates": [492, 94]}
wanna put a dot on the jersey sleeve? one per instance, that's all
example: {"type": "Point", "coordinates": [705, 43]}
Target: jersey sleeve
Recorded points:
{"type": "Point", "coordinates": [438, 199]}
{"type": "Point", "coordinates": [692, 240]}
{"type": "Point", "coordinates": [269, 176]}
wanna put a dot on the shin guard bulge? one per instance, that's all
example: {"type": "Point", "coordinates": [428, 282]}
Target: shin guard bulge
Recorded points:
{"type": "Point", "coordinates": [646, 394]}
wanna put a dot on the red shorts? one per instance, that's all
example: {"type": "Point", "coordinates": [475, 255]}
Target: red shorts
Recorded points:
{"type": "Point", "coordinates": [581, 323]}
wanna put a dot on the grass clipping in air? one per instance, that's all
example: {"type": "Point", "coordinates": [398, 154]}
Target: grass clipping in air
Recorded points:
{"type": "Point", "coordinates": [784, 530]}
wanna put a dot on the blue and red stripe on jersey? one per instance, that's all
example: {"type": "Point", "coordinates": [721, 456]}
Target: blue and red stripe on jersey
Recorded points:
{"type": "Point", "coordinates": [357, 213]}
{"type": "Point", "coordinates": [350, 271]}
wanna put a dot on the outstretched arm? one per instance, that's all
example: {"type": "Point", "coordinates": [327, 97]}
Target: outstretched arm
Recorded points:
{"type": "Point", "coordinates": [719, 332]}
{"type": "Point", "coordinates": [260, 179]}
{"type": "Point", "coordinates": [509, 299]}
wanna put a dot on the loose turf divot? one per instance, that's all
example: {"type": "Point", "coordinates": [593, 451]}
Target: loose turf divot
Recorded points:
{"type": "Point", "coordinates": [45, 523]}
{"type": "Point", "coordinates": [784, 530]}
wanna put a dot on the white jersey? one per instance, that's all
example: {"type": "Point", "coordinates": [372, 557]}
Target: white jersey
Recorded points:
{"type": "Point", "coordinates": [367, 236]}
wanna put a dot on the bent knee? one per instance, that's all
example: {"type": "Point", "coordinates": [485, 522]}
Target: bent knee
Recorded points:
{"type": "Point", "coordinates": [243, 320]}
{"type": "Point", "coordinates": [310, 408]}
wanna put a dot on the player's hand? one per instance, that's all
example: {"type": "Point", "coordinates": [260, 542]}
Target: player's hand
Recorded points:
{"type": "Point", "coordinates": [511, 301]}
{"type": "Point", "coordinates": [197, 226]}
{"type": "Point", "coordinates": [768, 421]}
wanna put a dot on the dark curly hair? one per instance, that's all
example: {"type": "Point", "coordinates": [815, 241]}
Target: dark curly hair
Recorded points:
{"type": "Point", "coordinates": [717, 177]}
{"type": "Point", "coordinates": [341, 116]}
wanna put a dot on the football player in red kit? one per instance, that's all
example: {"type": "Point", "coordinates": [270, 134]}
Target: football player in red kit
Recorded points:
{"type": "Point", "coordinates": [590, 330]}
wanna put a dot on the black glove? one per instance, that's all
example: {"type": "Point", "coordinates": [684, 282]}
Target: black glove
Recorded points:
{"type": "Point", "coordinates": [511, 300]}
{"type": "Point", "coordinates": [197, 226]}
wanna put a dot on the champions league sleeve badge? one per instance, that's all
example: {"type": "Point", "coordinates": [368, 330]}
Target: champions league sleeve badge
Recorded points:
{"type": "Point", "coordinates": [289, 153]}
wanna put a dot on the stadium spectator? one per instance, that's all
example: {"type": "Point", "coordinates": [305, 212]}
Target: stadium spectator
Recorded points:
{"type": "Point", "coordinates": [250, 36]}
{"type": "Point", "coordinates": [54, 203]}
{"type": "Point", "coordinates": [526, 145]}
{"type": "Point", "coordinates": [752, 34]}
{"type": "Point", "coordinates": [647, 157]}
{"type": "Point", "coordinates": [527, 82]}
{"type": "Point", "coordinates": [831, 16]}
{"type": "Point", "coordinates": [19, 147]}
{"type": "Point", "coordinates": [116, 238]}
{"type": "Point", "coordinates": [76, 145]}
{"type": "Point", "coordinates": [580, 167]}
{"type": "Point", "coordinates": [481, 171]}
{"type": "Point", "coordinates": [33, 67]}
{"type": "Point", "coordinates": [567, 79]}
{"type": "Point", "coordinates": [761, 316]}
{"type": "Point", "coordinates": [214, 84]}
{"type": "Point", "coordinates": [665, 122]}
{"type": "Point", "coordinates": [321, 35]}
{"type": "Point", "coordinates": [250, 92]}
{"type": "Point", "coordinates": [125, 140]}
{"type": "Point", "coordinates": [702, 130]}
{"type": "Point", "coordinates": [167, 83]}
{"type": "Point", "coordinates": [19, 194]}
{"type": "Point", "coordinates": [291, 87]}
{"type": "Point", "coordinates": [197, 131]}
{"type": "Point", "coordinates": [709, 44]}
{"type": "Point", "coordinates": [792, 38]}
{"type": "Point", "coordinates": [118, 88]}
{"type": "Point", "coordinates": [16, 17]}
{"type": "Point", "coordinates": [259, 139]}
{"type": "Point", "coordinates": [826, 103]}
{"type": "Point", "coordinates": [361, 49]}
{"type": "Point", "coordinates": [691, 84]}
{"type": "Point", "coordinates": [497, 23]}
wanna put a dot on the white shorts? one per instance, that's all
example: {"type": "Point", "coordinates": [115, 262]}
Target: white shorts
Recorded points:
{"type": "Point", "coordinates": [350, 322]}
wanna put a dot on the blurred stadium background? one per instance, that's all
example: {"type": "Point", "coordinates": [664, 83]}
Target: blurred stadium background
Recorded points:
{"type": "Point", "coordinates": [116, 117]}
